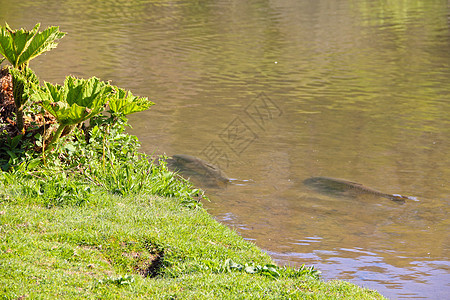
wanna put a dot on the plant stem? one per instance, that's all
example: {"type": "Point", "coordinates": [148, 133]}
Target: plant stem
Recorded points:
{"type": "Point", "coordinates": [18, 88]}
{"type": "Point", "coordinates": [55, 137]}
{"type": "Point", "coordinates": [68, 129]}
{"type": "Point", "coordinates": [19, 117]}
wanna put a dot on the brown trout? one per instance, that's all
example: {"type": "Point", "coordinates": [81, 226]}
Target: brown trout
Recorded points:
{"type": "Point", "coordinates": [342, 187]}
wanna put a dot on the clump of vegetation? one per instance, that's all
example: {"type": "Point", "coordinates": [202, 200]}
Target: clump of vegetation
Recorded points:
{"type": "Point", "coordinates": [76, 101]}
{"type": "Point", "coordinates": [19, 47]}
{"type": "Point", "coordinates": [75, 133]}
{"type": "Point", "coordinates": [271, 270]}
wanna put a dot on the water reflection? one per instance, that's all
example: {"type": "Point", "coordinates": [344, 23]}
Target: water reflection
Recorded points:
{"type": "Point", "coordinates": [363, 91]}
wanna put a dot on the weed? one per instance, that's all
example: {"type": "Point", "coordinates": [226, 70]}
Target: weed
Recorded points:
{"type": "Point", "coordinates": [270, 270]}
{"type": "Point", "coordinates": [119, 281]}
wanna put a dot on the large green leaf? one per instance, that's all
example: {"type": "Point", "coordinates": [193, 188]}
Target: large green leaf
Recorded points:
{"type": "Point", "coordinates": [66, 114]}
{"type": "Point", "coordinates": [48, 93]}
{"type": "Point", "coordinates": [14, 42]}
{"type": "Point", "coordinates": [76, 101]}
{"type": "Point", "coordinates": [20, 46]}
{"type": "Point", "coordinates": [86, 92]}
{"type": "Point", "coordinates": [54, 92]}
{"type": "Point", "coordinates": [125, 103]}
{"type": "Point", "coordinates": [6, 45]}
{"type": "Point", "coordinates": [42, 42]}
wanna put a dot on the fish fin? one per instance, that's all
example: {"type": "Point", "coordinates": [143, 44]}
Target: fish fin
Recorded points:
{"type": "Point", "coordinates": [398, 198]}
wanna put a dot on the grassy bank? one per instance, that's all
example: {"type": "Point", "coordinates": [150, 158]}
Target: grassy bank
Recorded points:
{"type": "Point", "coordinates": [97, 219]}
{"type": "Point", "coordinates": [137, 246]}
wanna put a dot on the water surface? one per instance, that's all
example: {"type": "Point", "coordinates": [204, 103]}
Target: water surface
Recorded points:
{"type": "Point", "coordinates": [275, 92]}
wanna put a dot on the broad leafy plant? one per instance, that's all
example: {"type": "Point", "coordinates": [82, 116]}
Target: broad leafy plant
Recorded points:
{"type": "Point", "coordinates": [21, 46]}
{"type": "Point", "coordinates": [74, 102]}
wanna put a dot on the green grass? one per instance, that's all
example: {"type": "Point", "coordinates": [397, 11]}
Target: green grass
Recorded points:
{"type": "Point", "coordinates": [137, 246]}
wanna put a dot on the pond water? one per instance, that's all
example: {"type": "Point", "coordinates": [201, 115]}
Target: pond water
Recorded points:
{"type": "Point", "coordinates": [277, 91]}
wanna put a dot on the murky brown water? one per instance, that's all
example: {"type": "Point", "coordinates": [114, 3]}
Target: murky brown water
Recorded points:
{"type": "Point", "coordinates": [277, 91]}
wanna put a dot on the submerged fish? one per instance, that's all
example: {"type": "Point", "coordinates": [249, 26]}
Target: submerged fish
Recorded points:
{"type": "Point", "coordinates": [342, 187]}
{"type": "Point", "coordinates": [197, 169]}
